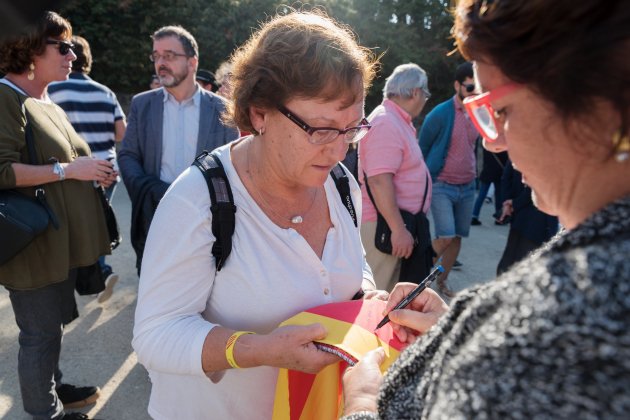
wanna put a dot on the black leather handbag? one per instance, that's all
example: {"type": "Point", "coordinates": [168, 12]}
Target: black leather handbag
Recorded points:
{"type": "Point", "coordinates": [383, 236]}
{"type": "Point", "coordinates": [23, 218]}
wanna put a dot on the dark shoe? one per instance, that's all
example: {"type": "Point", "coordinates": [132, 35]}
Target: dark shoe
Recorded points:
{"type": "Point", "coordinates": [75, 416]}
{"type": "Point", "coordinates": [77, 396]}
{"type": "Point", "coordinates": [457, 265]}
{"type": "Point", "coordinates": [475, 222]}
{"type": "Point", "coordinates": [506, 220]}
{"type": "Point", "coordinates": [110, 282]}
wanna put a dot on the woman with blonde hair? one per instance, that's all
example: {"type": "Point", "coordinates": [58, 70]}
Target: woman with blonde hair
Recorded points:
{"type": "Point", "coordinates": [299, 85]}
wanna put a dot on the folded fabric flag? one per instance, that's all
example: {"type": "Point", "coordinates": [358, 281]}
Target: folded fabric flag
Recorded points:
{"type": "Point", "coordinates": [350, 325]}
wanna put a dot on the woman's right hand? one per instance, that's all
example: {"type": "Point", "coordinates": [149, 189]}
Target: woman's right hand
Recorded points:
{"type": "Point", "coordinates": [85, 168]}
{"type": "Point", "coordinates": [292, 347]}
{"type": "Point", "coordinates": [418, 317]}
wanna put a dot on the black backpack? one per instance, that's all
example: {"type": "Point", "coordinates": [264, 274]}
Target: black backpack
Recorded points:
{"type": "Point", "coordinates": [223, 208]}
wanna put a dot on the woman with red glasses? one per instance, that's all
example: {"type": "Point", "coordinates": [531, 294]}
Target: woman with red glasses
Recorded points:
{"type": "Point", "coordinates": [550, 338]}
{"type": "Point", "coordinates": [41, 277]}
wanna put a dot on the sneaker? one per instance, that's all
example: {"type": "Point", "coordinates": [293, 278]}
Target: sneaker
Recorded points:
{"type": "Point", "coordinates": [110, 282]}
{"type": "Point", "coordinates": [77, 396]}
{"type": "Point", "coordinates": [75, 416]}
{"type": "Point", "coordinates": [457, 265]}
{"type": "Point", "coordinates": [475, 222]}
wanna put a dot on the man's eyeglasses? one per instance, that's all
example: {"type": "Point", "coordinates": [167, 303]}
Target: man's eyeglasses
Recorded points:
{"type": "Point", "coordinates": [64, 46]}
{"type": "Point", "coordinates": [325, 135]}
{"type": "Point", "coordinates": [469, 88]}
{"type": "Point", "coordinates": [483, 116]}
{"type": "Point", "coordinates": [167, 56]}
{"type": "Point", "coordinates": [427, 94]}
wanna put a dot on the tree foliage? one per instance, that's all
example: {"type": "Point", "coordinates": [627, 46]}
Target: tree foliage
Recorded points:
{"type": "Point", "coordinates": [400, 31]}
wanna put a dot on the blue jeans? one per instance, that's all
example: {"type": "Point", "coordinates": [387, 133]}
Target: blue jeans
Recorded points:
{"type": "Point", "coordinates": [483, 192]}
{"type": "Point", "coordinates": [41, 315]}
{"type": "Point", "coordinates": [451, 208]}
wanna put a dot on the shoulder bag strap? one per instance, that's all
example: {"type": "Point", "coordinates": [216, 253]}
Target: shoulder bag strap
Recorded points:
{"type": "Point", "coordinates": [343, 187]}
{"type": "Point", "coordinates": [40, 193]}
{"type": "Point", "coordinates": [221, 205]}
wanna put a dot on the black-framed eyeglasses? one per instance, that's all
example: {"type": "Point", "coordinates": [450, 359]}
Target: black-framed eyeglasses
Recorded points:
{"type": "Point", "coordinates": [469, 88]}
{"type": "Point", "coordinates": [324, 135]}
{"type": "Point", "coordinates": [64, 46]}
{"type": "Point", "coordinates": [167, 56]}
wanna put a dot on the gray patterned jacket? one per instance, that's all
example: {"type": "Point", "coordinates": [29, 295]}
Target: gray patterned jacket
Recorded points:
{"type": "Point", "coordinates": [548, 339]}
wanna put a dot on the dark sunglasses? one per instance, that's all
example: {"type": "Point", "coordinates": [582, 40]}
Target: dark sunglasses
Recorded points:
{"type": "Point", "coordinates": [469, 88]}
{"type": "Point", "coordinates": [64, 46]}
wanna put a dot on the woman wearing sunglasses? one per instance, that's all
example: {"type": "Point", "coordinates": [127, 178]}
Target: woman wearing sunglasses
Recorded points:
{"type": "Point", "coordinates": [299, 86]}
{"type": "Point", "coordinates": [41, 278]}
{"type": "Point", "coordinates": [550, 338]}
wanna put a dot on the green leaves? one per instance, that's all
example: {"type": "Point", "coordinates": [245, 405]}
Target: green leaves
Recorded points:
{"type": "Point", "coordinates": [119, 33]}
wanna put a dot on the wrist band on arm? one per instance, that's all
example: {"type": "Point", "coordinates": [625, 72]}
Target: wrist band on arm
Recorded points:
{"type": "Point", "coordinates": [229, 348]}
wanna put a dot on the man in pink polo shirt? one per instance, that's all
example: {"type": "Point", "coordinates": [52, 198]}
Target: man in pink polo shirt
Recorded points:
{"type": "Point", "coordinates": [391, 159]}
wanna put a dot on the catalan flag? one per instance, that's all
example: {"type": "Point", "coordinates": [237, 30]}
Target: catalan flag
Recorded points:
{"type": "Point", "coordinates": [350, 325]}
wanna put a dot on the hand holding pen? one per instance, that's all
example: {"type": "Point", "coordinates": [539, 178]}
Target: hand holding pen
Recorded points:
{"type": "Point", "coordinates": [412, 311]}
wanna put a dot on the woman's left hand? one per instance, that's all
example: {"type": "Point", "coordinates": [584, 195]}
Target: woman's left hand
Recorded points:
{"type": "Point", "coordinates": [361, 383]}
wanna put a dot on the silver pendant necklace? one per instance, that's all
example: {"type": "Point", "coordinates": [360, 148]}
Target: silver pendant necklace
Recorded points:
{"type": "Point", "coordinates": [297, 219]}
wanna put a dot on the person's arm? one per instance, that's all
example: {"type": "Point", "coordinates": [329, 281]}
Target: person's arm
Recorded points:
{"type": "Point", "coordinates": [383, 192]}
{"type": "Point", "coordinates": [119, 129]}
{"type": "Point", "coordinates": [82, 168]}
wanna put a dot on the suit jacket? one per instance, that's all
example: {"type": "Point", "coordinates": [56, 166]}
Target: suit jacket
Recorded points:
{"type": "Point", "coordinates": [140, 156]}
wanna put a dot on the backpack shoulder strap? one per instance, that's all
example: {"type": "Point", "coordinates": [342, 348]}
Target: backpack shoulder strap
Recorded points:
{"type": "Point", "coordinates": [343, 186]}
{"type": "Point", "coordinates": [221, 205]}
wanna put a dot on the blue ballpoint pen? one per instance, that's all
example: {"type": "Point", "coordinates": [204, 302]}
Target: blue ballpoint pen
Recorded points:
{"type": "Point", "coordinates": [415, 292]}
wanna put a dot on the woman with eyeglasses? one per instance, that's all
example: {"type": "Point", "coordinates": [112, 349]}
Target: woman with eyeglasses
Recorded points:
{"type": "Point", "coordinates": [299, 85]}
{"type": "Point", "coordinates": [41, 277]}
{"type": "Point", "coordinates": [550, 338]}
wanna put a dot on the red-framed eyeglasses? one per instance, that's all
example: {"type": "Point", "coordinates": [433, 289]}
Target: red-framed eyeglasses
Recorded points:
{"type": "Point", "coordinates": [483, 116]}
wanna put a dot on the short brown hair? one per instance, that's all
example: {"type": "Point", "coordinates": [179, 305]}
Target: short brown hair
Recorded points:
{"type": "Point", "coordinates": [301, 54]}
{"type": "Point", "coordinates": [83, 63]}
{"type": "Point", "coordinates": [570, 52]}
{"type": "Point", "coordinates": [185, 38]}
{"type": "Point", "coordinates": [17, 52]}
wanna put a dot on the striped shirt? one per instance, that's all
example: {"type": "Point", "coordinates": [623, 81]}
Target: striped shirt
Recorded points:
{"type": "Point", "coordinates": [92, 108]}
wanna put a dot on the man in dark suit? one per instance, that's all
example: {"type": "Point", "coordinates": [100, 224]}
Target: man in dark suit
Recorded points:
{"type": "Point", "coordinates": [167, 128]}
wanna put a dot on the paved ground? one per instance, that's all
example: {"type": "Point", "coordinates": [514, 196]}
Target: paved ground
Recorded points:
{"type": "Point", "coordinates": [97, 349]}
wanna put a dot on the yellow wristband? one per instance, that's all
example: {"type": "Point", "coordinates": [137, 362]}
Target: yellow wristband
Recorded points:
{"type": "Point", "coordinates": [229, 348]}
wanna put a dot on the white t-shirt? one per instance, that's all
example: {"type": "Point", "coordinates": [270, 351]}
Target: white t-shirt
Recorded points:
{"type": "Point", "coordinates": [271, 274]}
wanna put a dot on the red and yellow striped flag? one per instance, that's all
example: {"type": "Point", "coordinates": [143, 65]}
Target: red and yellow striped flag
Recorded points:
{"type": "Point", "coordinates": [350, 325]}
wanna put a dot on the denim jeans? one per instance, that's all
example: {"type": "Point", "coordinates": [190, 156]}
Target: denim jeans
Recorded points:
{"type": "Point", "coordinates": [483, 192]}
{"type": "Point", "coordinates": [451, 208]}
{"type": "Point", "coordinates": [41, 315]}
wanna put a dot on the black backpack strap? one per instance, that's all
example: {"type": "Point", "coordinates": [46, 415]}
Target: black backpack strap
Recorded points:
{"type": "Point", "coordinates": [221, 205]}
{"type": "Point", "coordinates": [343, 186]}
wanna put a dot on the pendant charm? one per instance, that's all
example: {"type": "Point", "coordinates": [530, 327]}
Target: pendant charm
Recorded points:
{"type": "Point", "coordinates": [296, 220]}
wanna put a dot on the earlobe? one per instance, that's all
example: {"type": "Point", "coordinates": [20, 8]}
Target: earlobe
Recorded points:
{"type": "Point", "coordinates": [257, 116]}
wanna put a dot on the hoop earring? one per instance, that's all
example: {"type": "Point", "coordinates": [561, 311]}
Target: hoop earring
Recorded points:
{"type": "Point", "coordinates": [31, 74]}
{"type": "Point", "coordinates": [621, 146]}
{"type": "Point", "coordinates": [261, 131]}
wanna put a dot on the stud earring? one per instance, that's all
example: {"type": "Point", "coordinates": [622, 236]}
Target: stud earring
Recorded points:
{"type": "Point", "coordinates": [622, 146]}
{"type": "Point", "coordinates": [31, 74]}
